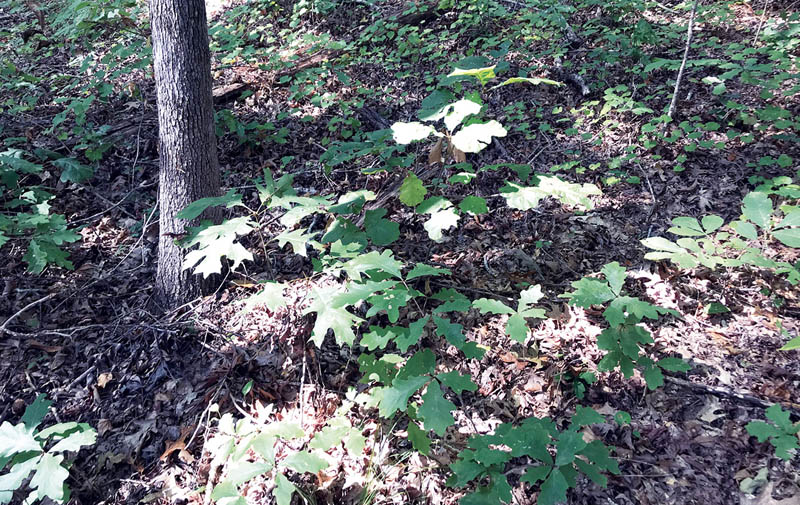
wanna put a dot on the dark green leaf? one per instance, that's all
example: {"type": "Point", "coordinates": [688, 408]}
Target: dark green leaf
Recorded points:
{"type": "Point", "coordinates": [554, 489]}
{"type": "Point", "coordinates": [435, 410]}
{"type": "Point", "coordinates": [568, 445]}
{"type": "Point", "coordinates": [35, 412]}
{"type": "Point", "coordinates": [194, 209]}
{"type": "Point", "coordinates": [380, 231]}
{"type": "Point", "coordinates": [419, 438]}
{"type": "Point", "coordinates": [457, 382]}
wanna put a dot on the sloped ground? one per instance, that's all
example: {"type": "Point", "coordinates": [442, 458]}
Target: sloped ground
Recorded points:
{"type": "Point", "coordinates": [146, 381]}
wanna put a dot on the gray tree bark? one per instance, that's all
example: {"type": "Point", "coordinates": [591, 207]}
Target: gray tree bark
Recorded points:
{"type": "Point", "coordinates": [189, 169]}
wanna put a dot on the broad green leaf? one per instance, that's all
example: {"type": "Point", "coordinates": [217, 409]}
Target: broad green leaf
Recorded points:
{"type": "Point", "coordinates": [73, 170]}
{"type": "Point", "coordinates": [374, 260]}
{"type": "Point", "coordinates": [528, 80]}
{"type": "Point", "coordinates": [380, 231]}
{"type": "Point", "coordinates": [418, 438]}
{"type": "Point", "coordinates": [345, 238]}
{"type": "Point", "coordinates": [554, 489]}
{"type": "Point", "coordinates": [355, 442]}
{"type": "Point", "coordinates": [459, 111]}
{"type": "Point", "coordinates": [791, 345]}
{"type": "Point", "coordinates": [783, 444]}
{"type": "Point", "coordinates": [716, 308]}
{"type": "Point", "coordinates": [352, 202]}
{"type": "Point", "coordinates": [457, 382]}
{"type": "Point", "coordinates": [35, 412]}
{"type": "Point", "coordinates": [421, 363]}
{"type": "Point", "coordinates": [568, 445]}
{"type": "Point", "coordinates": [744, 229]}
{"type": "Point", "coordinates": [526, 198]}
{"type": "Point", "coordinates": [216, 242]}
{"type": "Point", "coordinates": [194, 209]}
{"type": "Point", "coordinates": [757, 208]}
{"type": "Point", "coordinates": [391, 301]}
{"type": "Point", "coordinates": [780, 417]}
{"type": "Point", "coordinates": [674, 365]}
{"type": "Point", "coordinates": [378, 337]}
{"type": "Point", "coordinates": [475, 137]}
{"type": "Point", "coordinates": [568, 193]}
{"type": "Point", "coordinates": [792, 218]}
{"type": "Point", "coordinates": [453, 301]}
{"type": "Point", "coordinates": [653, 377]}
{"type": "Point", "coordinates": [283, 490]}
{"type": "Point", "coordinates": [585, 416]}
{"type": "Point", "coordinates": [283, 429]}
{"type": "Point", "coordinates": [761, 430]}
{"type": "Point", "coordinates": [396, 396]}
{"type": "Point", "coordinates": [48, 481]}
{"type": "Point", "coordinates": [406, 133]}
{"type": "Point", "coordinates": [330, 436]}
{"type": "Point", "coordinates": [16, 475]}
{"type": "Point", "coordinates": [270, 296]}
{"type": "Point", "coordinates": [662, 244]}
{"type": "Point", "coordinates": [588, 292]}
{"type": "Point", "coordinates": [474, 205]}
{"type": "Point", "coordinates": [517, 328]}
{"type": "Point", "coordinates": [452, 332]}
{"type": "Point", "coordinates": [615, 275]}
{"type": "Point", "coordinates": [422, 270]}
{"type": "Point", "coordinates": [298, 240]}
{"type": "Point", "coordinates": [305, 462]}
{"type": "Point", "coordinates": [597, 453]}
{"type": "Point", "coordinates": [686, 227]}
{"type": "Point", "coordinates": [59, 430]}
{"type": "Point", "coordinates": [592, 472]}
{"type": "Point", "coordinates": [74, 441]}
{"type": "Point", "coordinates": [412, 191]}
{"type": "Point", "coordinates": [483, 75]}
{"type": "Point", "coordinates": [331, 317]}
{"type": "Point", "coordinates": [436, 410]}
{"type": "Point", "coordinates": [435, 105]}
{"type": "Point", "coordinates": [492, 306]}
{"type": "Point", "coordinates": [464, 470]}
{"type": "Point", "coordinates": [443, 217]}
{"type": "Point", "coordinates": [522, 198]}
{"type": "Point", "coordinates": [788, 236]}
{"type": "Point", "coordinates": [240, 472]}
{"type": "Point", "coordinates": [534, 474]}
{"type": "Point", "coordinates": [412, 336]}
{"type": "Point", "coordinates": [16, 438]}
{"type": "Point", "coordinates": [712, 223]}
{"type": "Point", "coordinates": [529, 297]}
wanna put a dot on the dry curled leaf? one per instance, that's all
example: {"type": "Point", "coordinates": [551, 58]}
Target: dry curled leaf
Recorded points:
{"type": "Point", "coordinates": [104, 378]}
{"type": "Point", "coordinates": [180, 446]}
{"type": "Point", "coordinates": [435, 156]}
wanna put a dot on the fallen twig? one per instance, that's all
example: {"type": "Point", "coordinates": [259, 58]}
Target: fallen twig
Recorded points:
{"type": "Point", "coordinates": [20, 311]}
{"type": "Point", "coordinates": [689, 35]}
{"type": "Point", "coordinates": [732, 395]}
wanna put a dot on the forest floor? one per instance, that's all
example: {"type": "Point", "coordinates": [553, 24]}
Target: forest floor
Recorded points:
{"type": "Point", "coordinates": [147, 382]}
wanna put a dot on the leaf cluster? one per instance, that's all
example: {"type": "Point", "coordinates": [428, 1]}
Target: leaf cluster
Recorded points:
{"type": "Point", "coordinates": [36, 455]}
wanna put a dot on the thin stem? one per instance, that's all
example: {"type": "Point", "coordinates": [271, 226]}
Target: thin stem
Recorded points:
{"type": "Point", "coordinates": [689, 35]}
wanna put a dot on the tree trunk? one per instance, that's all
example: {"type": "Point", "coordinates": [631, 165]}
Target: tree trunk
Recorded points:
{"type": "Point", "coordinates": [189, 169]}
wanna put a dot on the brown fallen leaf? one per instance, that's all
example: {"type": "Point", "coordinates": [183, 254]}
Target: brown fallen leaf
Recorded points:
{"type": "Point", "coordinates": [765, 498]}
{"type": "Point", "coordinates": [104, 426]}
{"type": "Point", "coordinates": [435, 156]}
{"type": "Point", "coordinates": [180, 446]}
{"type": "Point", "coordinates": [104, 378]}
{"type": "Point", "coordinates": [35, 344]}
